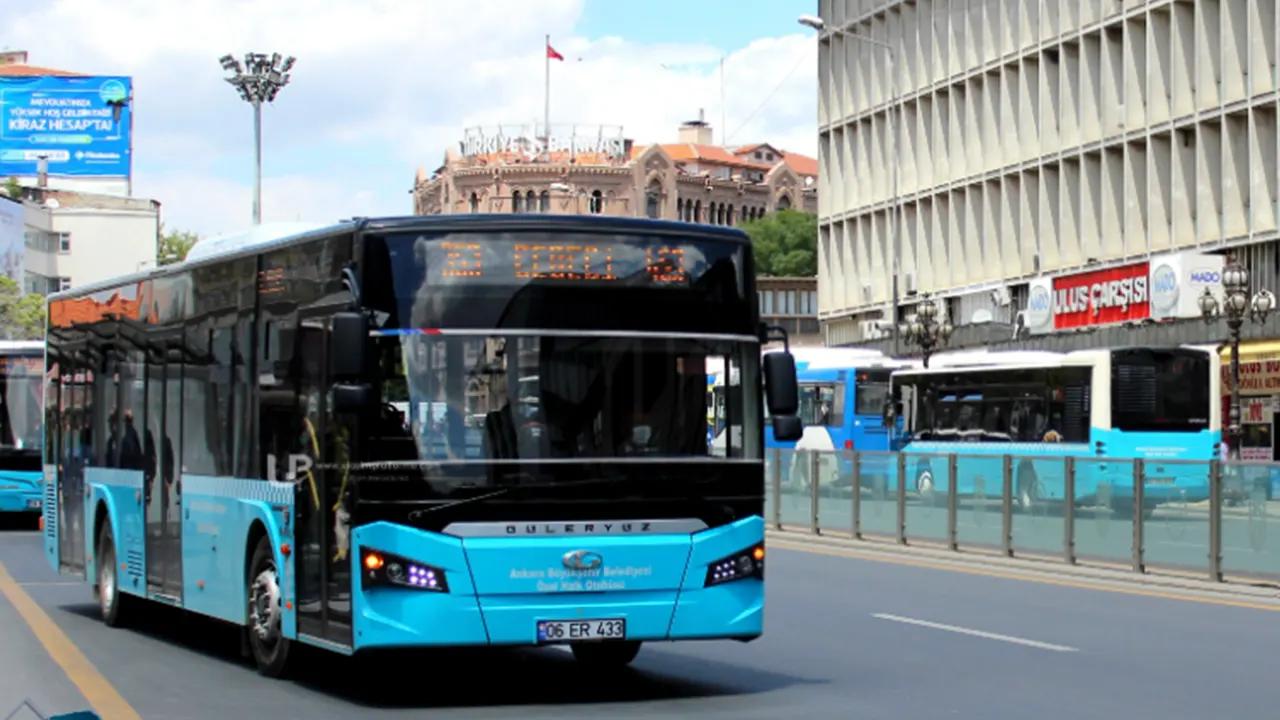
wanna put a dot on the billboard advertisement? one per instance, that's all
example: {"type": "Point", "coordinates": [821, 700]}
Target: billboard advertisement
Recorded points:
{"type": "Point", "coordinates": [80, 124]}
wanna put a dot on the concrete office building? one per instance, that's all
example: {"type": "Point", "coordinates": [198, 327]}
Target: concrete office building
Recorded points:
{"type": "Point", "coordinates": [72, 238]}
{"type": "Point", "coordinates": [1046, 151]}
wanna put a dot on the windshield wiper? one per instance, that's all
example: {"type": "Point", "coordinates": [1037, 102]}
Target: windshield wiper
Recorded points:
{"type": "Point", "coordinates": [503, 491]}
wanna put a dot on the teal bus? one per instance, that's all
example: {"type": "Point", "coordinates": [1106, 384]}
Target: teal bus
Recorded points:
{"type": "Point", "coordinates": [427, 431]}
{"type": "Point", "coordinates": [21, 378]}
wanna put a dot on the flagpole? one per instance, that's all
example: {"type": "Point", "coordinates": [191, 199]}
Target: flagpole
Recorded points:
{"type": "Point", "coordinates": [546, 100]}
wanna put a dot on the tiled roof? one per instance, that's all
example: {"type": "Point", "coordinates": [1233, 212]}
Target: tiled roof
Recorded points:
{"type": "Point", "coordinates": [800, 164]}
{"type": "Point", "coordinates": [711, 155]}
{"type": "Point", "coordinates": [19, 70]}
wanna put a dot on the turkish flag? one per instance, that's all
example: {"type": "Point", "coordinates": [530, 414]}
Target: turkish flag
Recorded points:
{"type": "Point", "coordinates": [551, 53]}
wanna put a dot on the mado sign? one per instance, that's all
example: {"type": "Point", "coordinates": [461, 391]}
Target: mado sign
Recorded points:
{"type": "Point", "coordinates": [79, 124]}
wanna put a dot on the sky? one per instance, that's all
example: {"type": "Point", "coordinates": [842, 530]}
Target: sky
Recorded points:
{"type": "Point", "coordinates": [383, 87]}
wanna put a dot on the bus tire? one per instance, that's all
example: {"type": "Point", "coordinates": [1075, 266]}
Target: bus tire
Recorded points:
{"type": "Point", "coordinates": [267, 643]}
{"type": "Point", "coordinates": [1028, 487]}
{"type": "Point", "coordinates": [112, 604]}
{"type": "Point", "coordinates": [925, 486]}
{"type": "Point", "coordinates": [606, 655]}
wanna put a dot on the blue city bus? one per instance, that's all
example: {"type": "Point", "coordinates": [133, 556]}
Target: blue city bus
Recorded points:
{"type": "Point", "coordinates": [843, 393]}
{"type": "Point", "coordinates": [1104, 407]}
{"type": "Point", "coordinates": [425, 431]}
{"type": "Point", "coordinates": [21, 380]}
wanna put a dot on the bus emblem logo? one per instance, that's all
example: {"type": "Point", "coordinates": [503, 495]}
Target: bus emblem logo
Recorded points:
{"type": "Point", "coordinates": [582, 560]}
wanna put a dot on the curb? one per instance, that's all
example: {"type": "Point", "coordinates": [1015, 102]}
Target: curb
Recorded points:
{"type": "Point", "coordinates": [1032, 567]}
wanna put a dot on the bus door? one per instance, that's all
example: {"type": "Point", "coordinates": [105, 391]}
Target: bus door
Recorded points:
{"type": "Point", "coordinates": [162, 473]}
{"type": "Point", "coordinates": [323, 558]}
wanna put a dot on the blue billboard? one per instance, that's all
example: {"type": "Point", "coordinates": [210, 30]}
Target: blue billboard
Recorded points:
{"type": "Point", "coordinates": [80, 124]}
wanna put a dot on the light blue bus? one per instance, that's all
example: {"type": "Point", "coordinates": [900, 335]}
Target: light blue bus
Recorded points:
{"type": "Point", "coordinates": [1104, 407]}
{"type": "Point", "coordinates": [423, 431]}
{"type": "Point", "coordinates": [21, 403]}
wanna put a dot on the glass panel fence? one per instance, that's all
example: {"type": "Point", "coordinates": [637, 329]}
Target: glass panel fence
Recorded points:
{"type": "Point", "coordinates": [979, 489]}
{"type": "Point", "coordinates": [835, 483]}
{"type": "Point", "coordinates": [1251, 520]}
{"type": "Point", "coordinates": [1104, 510]}
{"type": "Point", "coordinates": [1175, 515]}
{"type": "Point", "coordinates": [928, 485]}
{"type": "Point", "coordinates": [1039, 505]}
{"type": "Point", "coordinates": [878, 473]}
{"type": "Point", "coordinates": [794, 500]}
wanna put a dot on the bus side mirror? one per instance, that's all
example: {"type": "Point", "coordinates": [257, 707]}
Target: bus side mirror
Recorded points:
{"type": "Point", "coordinates": [787, 427]}
{"type": "Point", "coordinates": [782, 395]}
{"type": "Point", "coordinates": [352, 397]}
{"type": "Point", "coordinates": [347, 340]}
{"type": "Point", "coordinates": [781, 391]}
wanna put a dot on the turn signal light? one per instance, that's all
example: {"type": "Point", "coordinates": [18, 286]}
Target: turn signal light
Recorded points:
{"type": "Point", "coordinates": [386, 569]}
{"type": "Point", "coordinates": [748, 563]}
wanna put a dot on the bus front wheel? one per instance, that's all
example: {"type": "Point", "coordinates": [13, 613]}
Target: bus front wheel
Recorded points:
{"type": "Point", "coordinates": [606, 655]}
{"type": "Point", "coordinates": [266, 637]}
{"type": "Point", "coordinates": [112, 604]}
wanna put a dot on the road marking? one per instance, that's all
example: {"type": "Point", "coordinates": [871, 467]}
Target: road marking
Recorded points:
{"type": "Point", "coordinates": [975, 633]}
{"type": "Point", "coordinates": [1080, 585]}
{"type": "Point", "coordinates": [104, 698]}
{"type": "Point", "coordinates": [48, 583]}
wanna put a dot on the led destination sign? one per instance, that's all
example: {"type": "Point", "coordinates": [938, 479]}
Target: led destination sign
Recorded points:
{"type": "Point", "coordinates": [564, 262]}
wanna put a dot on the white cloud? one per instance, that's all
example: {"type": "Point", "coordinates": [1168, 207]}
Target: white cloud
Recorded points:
{"type": "Point", "coordinates": [383, 86]}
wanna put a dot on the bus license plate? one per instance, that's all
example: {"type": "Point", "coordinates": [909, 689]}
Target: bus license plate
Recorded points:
{"type": "Point", "coordinates": [557, 631]}
{"type": "Point", "coordinates": [33, 504]}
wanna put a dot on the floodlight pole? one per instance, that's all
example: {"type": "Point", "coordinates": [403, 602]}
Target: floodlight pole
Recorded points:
{"type": "Point", "coordinates": [257, 162]}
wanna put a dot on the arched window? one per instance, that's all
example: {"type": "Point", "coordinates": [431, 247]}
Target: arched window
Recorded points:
{"type": "Point", "coordinates": [596, 206]}
{"type": "Point", "coordinates": [784, 202]}
{"type": "Point", "coordinates": [679, 208]}
{"type": "Point", "coordinates": [720, 214]}
{"type": "Point", "coordinates": [653, 200]}
{"type": "Point", "coordinates": [729, 216]}
{"type": "Point", "coordinates": [475, 203]}
{"type": "Point", "coordinates": [544, 201]}
{"type": "Point", "coordinates": [697, 211]}
{"type": "Point", "coordinates": [515, 202]}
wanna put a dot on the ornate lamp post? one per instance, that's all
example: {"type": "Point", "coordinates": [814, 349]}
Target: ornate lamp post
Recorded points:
{"type": "Point", "coordinates": [926, 330]}
{"type": "Point", "coordinates": [1236, 304]}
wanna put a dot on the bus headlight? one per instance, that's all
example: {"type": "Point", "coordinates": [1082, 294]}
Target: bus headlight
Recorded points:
{"type": "Point", "coordinates": [379, 568]}
{"type": "Point", "coordinates": [748, 563]}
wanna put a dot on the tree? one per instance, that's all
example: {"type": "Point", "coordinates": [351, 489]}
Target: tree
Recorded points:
{"type": "Point", "coordinates": [174, 245]}
{"type": "Point", "coordinates": [21, 316]}
{"type": "Point", "coordinates": [785, 243]}
{"type": "Point", "coordinates": [13, 187]}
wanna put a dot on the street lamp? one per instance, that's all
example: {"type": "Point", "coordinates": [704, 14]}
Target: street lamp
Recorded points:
{"type": "Point", "coordinates": [258, 80]}
{"type": "Point", "coordinates": [817, 23]}
{"type": "Point", "coordinates": [1236, 304]}
{"type": "Point", "coordinates": [926, 329]}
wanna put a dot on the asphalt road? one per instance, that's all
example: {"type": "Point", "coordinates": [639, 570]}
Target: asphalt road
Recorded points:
{"type": "Point", "coordinates": [845, 637]}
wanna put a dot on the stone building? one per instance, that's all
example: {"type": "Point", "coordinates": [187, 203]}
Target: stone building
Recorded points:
{"type": "Point", "coordinates": [581, 170]}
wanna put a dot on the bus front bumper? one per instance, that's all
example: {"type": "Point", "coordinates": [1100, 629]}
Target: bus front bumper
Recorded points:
{"type": "Point", "coordinates": [504, 591]}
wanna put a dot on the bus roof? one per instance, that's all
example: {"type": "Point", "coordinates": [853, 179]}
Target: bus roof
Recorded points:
{"type": "Point", "coordinates": [17, 346]}
{"type": "Point", "coordinates": [272, 235]}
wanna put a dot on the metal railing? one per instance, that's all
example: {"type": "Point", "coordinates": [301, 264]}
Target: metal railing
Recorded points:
{"type": "Point", "coordinates": [1215, 518]}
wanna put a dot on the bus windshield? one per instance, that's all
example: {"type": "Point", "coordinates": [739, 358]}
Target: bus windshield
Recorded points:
{"type": "Point", "coordinates": [560, 397]}
{"type": "Point", "coordinates": [1164, 390]}
{"type": "Point", "coordinates": [20, 415]}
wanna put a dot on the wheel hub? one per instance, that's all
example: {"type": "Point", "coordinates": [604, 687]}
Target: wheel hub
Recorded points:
{"type": "Point", "coordinates": [264, 606]}
{"type": "Point", "coordinates": [107, 583]}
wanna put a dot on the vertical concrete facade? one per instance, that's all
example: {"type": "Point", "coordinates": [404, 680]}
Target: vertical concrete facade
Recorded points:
{"type": "Point", "coordinates": [1034, 138]}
